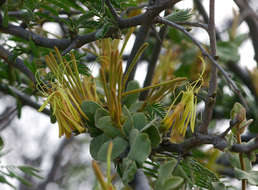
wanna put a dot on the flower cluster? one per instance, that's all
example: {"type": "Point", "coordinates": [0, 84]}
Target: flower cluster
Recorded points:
{"type": "Point", "coordinates": [65, 93]}
{"type": "Point", "coordinates": [183, 114]}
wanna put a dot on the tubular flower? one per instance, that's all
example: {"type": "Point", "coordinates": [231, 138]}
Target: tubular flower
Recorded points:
{"type": "Point", "coordinates": [183, 114]}
{"type": "Point", "coordinates": [65, 93]}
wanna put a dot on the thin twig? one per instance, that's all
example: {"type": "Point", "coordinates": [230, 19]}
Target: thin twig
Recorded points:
{"type": "Point", "coordinates": [252, 23]}
{"type": "Point", "coordinates": [129, 9]}
{"type": "Point", "coordinates": [232, 66]}
{"type": "Point", "coordinates": [25, 99]}
{"type": "Point", "coordinates": [37, 39]}
{"type": "Point", "coordinates": [7, 116]}
{"type": "Point", "coordinates": [67, 44]}
{"type": "Point", "coordinates": [199, 139]}
{"type": "Point", "coordinates": [194, 24]}
{"type": "Point", "coordinates": [244, 75]}
{"type": "Point", "coordinates": [17, 63]}
{"type": "Point", "coordinates": [112, 10]}
{"type": "Point", "coordinates": [143, 19]}
{"type": "Point", "coordinates": [211, 96]}
{"type": "Point", "coordinates": [241, 159]}
{"type": "Point", "coordinates": [57, 158]}
{"type": "Point", "coordinates": [153, 61]}
{"type": "Point", "coordinates": [232, 123]}
{"type": "Point", "coordinates": [195, 141]}
{"type": "Point", "coordinates": [203, 13]}
{"type": "Point", "coordinates": [246, 148]}
{"type": "Point", "coordinates": [139, 41]}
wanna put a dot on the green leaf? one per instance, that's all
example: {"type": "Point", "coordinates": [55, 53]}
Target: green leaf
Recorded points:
{"type": "Point", "coordinates": [156, 110]}
{"type": "Point", "coordinates": [187, 62]}
{"type": "Point", "coordinates": [131, 98]}
{"type": "Point", "coordinates": [30, 171]}
{"type": "Point", "coordinates": [126, 112]}
{"type": "Point", "coordinates": [45, 16]}
{"type": "Point", "coordinates": [33, 48]}
{"type": "Point", "coordinates": [132, 136]}
{"type": "Point", "coordinates": [128, 124]}
{"type": "Point", "coordinates": [227, 51]}
{"type": "Point", "coordinates": [202, 176]}
{"type": "Point", "coordinates": [234, 160]}
{"type": "Point", "coordinates": [12, 174]}
{"type": "Point", "coordinates": [165, 170]}
{"type": "Point", "coordinates": [6, 17]}
{"type": "Point", "coordinates": [86, 16]}
{"type": "Point", "coordinates": [251, 176]}
{"type": "Point", "coordinates": [100, 112]}
{"type": "Point", "coordinates": [106, 125]}
{"type": "Point", "coordinates": [60, 4]}
{"type": "Point", "coordinates": [1, 143]}
{"type": "Point", "coordinates": [103, 30]}
{"type": "Point", "coordinates": [139, 121]}
{"type": "Point", "coordinates": [154, 136]}
{"type": "Point", "coordinates": [4, 181]}
{"type": "Point", "coordinates": [136, 106]}
{"type": "Point", "coordinates": [179, 15]}
{"type": "Point", "coordinates": [96, 143]}
{"type": "Point", "coordinates": [248, 163]}
{"type": "Point", "coordinates": [119, 146]}
{"type": "Point", "coordinates": [176, 36]}
{"type": "Point", "coordinates": [173, 182]}
{"type": "Point", "coordinates": [89, 108]}
{"type": "Point", "coordinates": [23, 181]}
{"type": "Point", "coordinates": [31, 4]}
{"type": "Point", "coordinates": [165, 178]}
{"type": "Point", "coordinates": [180, 172]}
{"type": "Point", "coordinates": [73, 4]}
{"type": "Point", "coordinates": [129, 169]}
{"type": "Point", "coordinates": [140, 148]}
{"type": "Point", "coordinates": [89, 24]}
{"type": "Point", "coordinates": [52, 115]}
{"type": "Point", "coordinates": [83, 69]}
{"type": "Point", "coordinates": [238, 40]}
{"type": "Point", "coordinates": [50, 9]}
{"type": "Point", "coordinates": [31, 65]}
{"type": "Point", "coordinates": [19, 107]}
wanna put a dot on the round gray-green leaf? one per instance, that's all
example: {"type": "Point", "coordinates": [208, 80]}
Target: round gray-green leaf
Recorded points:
{"type": "Point", "coordinates": [119, 146]}
{"type": "Point", "coordinates": [106, 125]}
{"type": "Point", "coordinates": [131, 98]}
{"type": "Point", "coordinates": [96, 143]}
{"type": "Point", "coordinates": [139, 120]}
{"type": "Point", "coordinates": [140, 148]}
{"type": "Point", "coordinates": [154, 135]}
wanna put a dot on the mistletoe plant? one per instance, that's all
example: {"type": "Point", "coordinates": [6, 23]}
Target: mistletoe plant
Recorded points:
{"type": "Point", "coordinates": [108, 108]}
{"type": "Point", "coordinates": [156, 131]}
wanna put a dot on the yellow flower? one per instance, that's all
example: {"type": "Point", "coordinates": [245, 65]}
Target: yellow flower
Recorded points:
{"type": "Point", "coordinates": [184, 113]}
{"type": "Point", "coordinates": [65, 93]}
